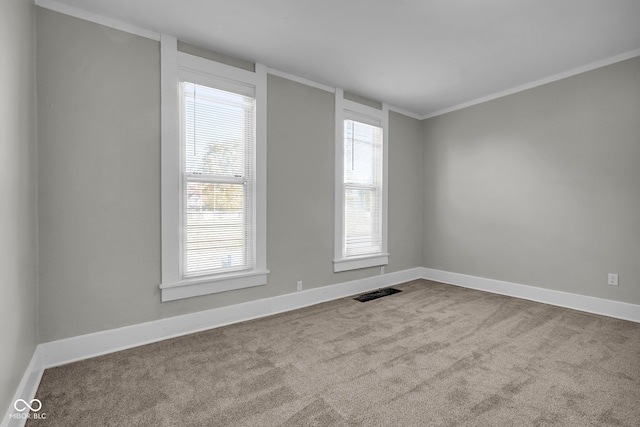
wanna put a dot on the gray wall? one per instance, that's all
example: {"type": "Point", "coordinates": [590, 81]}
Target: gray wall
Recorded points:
{"type": "Point", "coordinates": [405, 192]}
{"type": "Point", "coordinates": [99, 184]}
{"type": "Point", "coordinates": [18, 224]}
{"type": "Point", "coordinates": [541, 187]}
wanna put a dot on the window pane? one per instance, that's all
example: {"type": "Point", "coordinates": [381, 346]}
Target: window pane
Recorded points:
{"type": "Point", "coordinates": [362, 221]}
{"type": "Point", "coordinates": [217, 229]}
{"type": "Point", "coordinates": [218, 128]}
{"type": "Point", "coordinates": [362, 153]}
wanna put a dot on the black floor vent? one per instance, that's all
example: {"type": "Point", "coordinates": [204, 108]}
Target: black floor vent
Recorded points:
{"type": "Point", "coordinates": [377, 294]}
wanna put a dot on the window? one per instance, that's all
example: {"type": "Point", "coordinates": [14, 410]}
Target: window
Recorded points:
{"type": "Point", "coordinates": [217, 168]}
{"type": "Point", "coordinates": [361, 198]}
{"type": "Point", "coordinates": [362, 188]}
{"type": "Point", "coordinates": [213, 175]}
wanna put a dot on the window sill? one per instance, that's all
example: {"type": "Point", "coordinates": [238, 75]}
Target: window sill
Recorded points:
{"type": "Point", "coordinates": [354, 263]}
{"type": "Point", "coordinates": [212, 285]}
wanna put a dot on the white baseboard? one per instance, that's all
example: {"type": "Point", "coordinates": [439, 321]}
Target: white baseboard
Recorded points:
{"type": "Point", "coordinates": [606, 307]}
{"type": "Point", "coordinates": [26, 389]}
{"type": "Point", "coordinates": [56, 353]}
{"type": "Point", "coordinates": [60, 352]}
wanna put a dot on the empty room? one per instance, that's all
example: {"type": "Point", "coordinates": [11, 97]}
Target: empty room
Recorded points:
{"type": "Point", "coordinates": [320, 213]}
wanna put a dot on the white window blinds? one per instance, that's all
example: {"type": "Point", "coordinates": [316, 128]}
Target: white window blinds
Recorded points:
{"type": "Point", "coordinates": [362, 188]}
{"type": "Point", "coordinates": [218, 135]}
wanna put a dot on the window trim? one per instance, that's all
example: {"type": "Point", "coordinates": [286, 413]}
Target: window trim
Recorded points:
{"type": "Point", "coordinates": [173, 64]}
{"type": "Point", "coordinates": [345, 108]}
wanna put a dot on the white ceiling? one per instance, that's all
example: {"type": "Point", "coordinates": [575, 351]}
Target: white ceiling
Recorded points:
{"type": "Point", "coordinates": [424, 56]}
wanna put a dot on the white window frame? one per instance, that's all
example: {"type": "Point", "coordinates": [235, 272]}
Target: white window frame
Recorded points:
{"type": "Point", "coordinates": [346, 109]}
{"type": "Point", "coordinates": [175, 65]}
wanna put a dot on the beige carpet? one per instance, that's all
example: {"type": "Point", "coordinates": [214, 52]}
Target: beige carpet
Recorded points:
{"type": "Point", "coordinates": [431, 355]}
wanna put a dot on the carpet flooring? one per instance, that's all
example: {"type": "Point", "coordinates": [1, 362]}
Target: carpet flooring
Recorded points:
{"type": "Point", "coordinates": [431, 355]}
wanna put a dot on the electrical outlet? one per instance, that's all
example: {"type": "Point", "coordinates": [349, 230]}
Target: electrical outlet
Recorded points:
{"type": "Point", "coordinates": [299, 285]}
{"type": "Point", "coordinates": [612, 279]}
{"type": "Point", "coordinates": [382, 270]}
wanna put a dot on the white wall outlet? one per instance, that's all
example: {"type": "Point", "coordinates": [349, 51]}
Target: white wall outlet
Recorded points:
{"type": "Point", "coordinates": [382, 270]}
{"type": "Point", "coordinates": [299, 285]}
{"type": "Point", "coordinates": [612, 279]}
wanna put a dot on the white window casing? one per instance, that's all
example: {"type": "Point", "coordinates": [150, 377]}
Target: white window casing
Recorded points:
{"type": "Point", "coordinates": [213, 208]}
{"type": "Point", "coordinates": [361, 183]}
